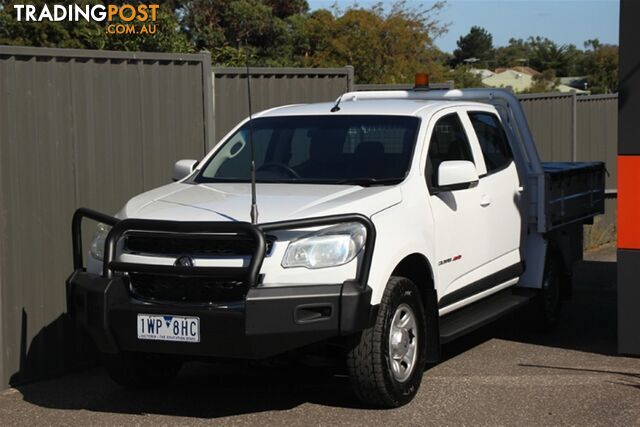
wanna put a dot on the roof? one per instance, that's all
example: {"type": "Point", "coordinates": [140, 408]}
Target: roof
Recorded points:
{"type": "Point", "coordinates": [566, 88]}
{"type": "Point", "coordinates": [395, 107]}
{"type": "Point", "coordinates": [520, 69]}
{"type": "Point", "coordinates": [578, 82]}
{"type": "Point", "coordinates": [516, 80]}
{"type": "Point", "coordinates": [482, 72]}
{"type": "Point", "coordinates": [520, 82]}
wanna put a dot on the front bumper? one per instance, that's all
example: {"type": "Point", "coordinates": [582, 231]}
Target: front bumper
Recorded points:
{"type": "Point", "coordinates": [268, 322]}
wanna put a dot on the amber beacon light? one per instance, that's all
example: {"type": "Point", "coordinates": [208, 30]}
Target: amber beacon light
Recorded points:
{"type": "Point", "coordinates": [422, 80]}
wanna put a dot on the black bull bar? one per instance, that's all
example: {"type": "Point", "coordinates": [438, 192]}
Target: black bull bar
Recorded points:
{"type": "Point", "coordinates": [249, 275]}
{"type": "Point", "coordinates": [268, 321]}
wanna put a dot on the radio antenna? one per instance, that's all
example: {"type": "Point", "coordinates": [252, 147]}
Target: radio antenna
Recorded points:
{"type": "Point", "coordinates": [254, 205]}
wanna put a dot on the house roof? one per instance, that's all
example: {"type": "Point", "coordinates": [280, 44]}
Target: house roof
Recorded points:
{"type": "Point", "coordinates": [517, 81]}
{"type": "Point", "coordinates": [565, 88]}
{"type": "Point", "coordinates": [520, 69]}
{"type": "Point", "coordinates": [577, 82]}
{"type": "Point", "coordinates": [482, 72]}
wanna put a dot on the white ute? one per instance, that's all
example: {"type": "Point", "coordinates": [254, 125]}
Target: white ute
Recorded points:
{"type": "Point", "coordinates": [387, 224]}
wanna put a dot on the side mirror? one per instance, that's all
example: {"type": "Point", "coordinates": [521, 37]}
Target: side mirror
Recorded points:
{"type": "Point", "coordinates": [456, 175]}
{"type": "Point", "coordinates": [183, 169]}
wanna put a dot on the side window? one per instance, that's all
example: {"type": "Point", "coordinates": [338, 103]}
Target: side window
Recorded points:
{"type": "Point", "coordinates": [493, 140]}
{"type": "Point", "coordinates": [448, 142]}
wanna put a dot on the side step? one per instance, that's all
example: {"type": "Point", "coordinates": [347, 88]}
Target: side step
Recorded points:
{"type": "Point", "coordinates": [473, 316]}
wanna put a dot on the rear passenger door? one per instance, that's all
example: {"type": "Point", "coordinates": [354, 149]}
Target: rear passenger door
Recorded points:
{"type": "Point", "coordinates": [499, 190]}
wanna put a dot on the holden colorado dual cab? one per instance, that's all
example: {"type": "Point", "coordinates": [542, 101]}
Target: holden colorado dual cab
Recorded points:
{"type": "Point", "coordinates": [388, 223]}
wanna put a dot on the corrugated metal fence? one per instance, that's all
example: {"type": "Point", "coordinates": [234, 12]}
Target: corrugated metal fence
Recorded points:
{"type": "Point", "coordinates": [79, 128]}
{"type": "Point", "coordinates": [597, 132]}
{"type": "Point", "coordinates": [569, 127]}
{"type": "Point", "coordinates": [273, 87]}
{"type": "Point", "coordinates": [550, 118]}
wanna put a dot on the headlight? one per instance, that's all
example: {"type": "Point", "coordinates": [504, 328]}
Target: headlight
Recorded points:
{"type": "Point", "coordinates": [99, 237]}
{"type": "Point", "coordinates": [328, 247]}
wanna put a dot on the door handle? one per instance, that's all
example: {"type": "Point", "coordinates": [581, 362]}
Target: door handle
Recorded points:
{"type": "Point", "coordinates": [485, 200]}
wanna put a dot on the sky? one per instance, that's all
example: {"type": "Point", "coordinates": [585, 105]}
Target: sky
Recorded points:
{"type": "Point", "coordinates": [563, 21]}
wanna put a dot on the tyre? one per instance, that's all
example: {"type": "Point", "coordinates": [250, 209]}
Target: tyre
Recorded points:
{"type": "Point", "coordinates": [386, 361]}
{"type": "Point", "coordinates": [140, 370]}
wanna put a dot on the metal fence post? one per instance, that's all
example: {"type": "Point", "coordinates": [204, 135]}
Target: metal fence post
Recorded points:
{"type": "Point", "coordinates": [209, 105]}
{"type": "Point", "coordinates": [350, 77]}
{"type": "Point", "coordinates": [574, 127]}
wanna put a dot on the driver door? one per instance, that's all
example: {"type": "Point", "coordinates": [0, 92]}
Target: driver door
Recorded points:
{"type": "Point", "coordinates": [460, 236]}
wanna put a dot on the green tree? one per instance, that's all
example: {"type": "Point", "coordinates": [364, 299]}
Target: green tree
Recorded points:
{"type": "Point", "coordinates": [463, 77]}
{"type": "Point", "coordinates": [592, 44]}
{"type": "Point", "coordinates": [545, 54]}
{"type": "Point", "coordinates": [601, 67]}
{"type": "Point", "coordinates": [477, 45]}
{"type": "Point", "coordinates": [89, 35]}
{"type": "Point", "coordinates": [544, 82]}
{"type": "Point", "coordinates": [575, 58]}
{"type": "Point", "coordinates": [514, 53]}
{"type": "Point", "coordinates": [286, 8]}
{"type": "Point", "coordinates": [383, 47]}
{"type": "Point", "coordinates": [267, 29]}
{"type": "Point", "coordinates": [167, 37]}
{"type": "Point", "coordinates": [45, 34]}
{"type": "Point", "coordinates": [541, 54]}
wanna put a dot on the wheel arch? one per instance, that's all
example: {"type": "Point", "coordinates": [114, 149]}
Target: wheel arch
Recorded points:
{"type": "Point", "coordinates": [418, 269]}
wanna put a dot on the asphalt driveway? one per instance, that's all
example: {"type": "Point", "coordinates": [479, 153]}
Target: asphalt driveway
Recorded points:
{"type": "Point", "coordinates": [499, 375]}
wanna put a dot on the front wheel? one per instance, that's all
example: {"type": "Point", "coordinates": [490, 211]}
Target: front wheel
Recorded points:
{"type": "Point", "coordinates": [386, 361]}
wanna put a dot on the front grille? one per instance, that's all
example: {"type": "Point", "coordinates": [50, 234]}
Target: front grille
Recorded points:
{"type": "Point", "coordinates": [200, 245]}
{"type": "Point", "coordinates": [186, 290]}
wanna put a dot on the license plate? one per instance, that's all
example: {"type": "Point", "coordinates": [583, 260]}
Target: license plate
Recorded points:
{"type": "Point", "coordinates": [168, 328]}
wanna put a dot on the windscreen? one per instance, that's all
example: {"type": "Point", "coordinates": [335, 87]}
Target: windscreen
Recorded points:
{"type": "Point", "coordinates": [317, 149]}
